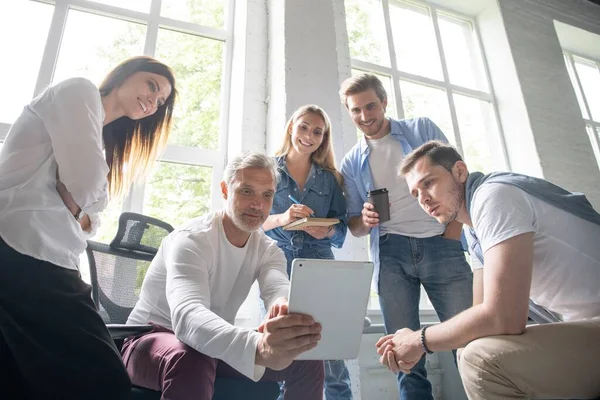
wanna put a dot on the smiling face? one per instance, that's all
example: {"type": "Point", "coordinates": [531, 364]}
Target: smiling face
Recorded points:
{"type": "Point", "coordinates": [440, 193]}
{"type": "Point", "coordinates": [368, 113]}
{"type": "Point", "coordinates": [307, 133]}
{"type": "Point", "coordinates": [249, 198]}
{"type": "Point", "coordinates": [142, 94]}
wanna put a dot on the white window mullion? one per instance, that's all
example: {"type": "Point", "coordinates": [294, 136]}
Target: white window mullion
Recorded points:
{"type": "Point", "coordinates": [593, 129]}
{"type": "Point", "coordinates": [152, 30]}
{"type": "Point", "coordinates": [134, 202]}
{"type": "Point", "coordinates": [216, 199]}
{"type": "Point", "coordinates": [393, 62]}
{"type": "Point", "coordinates": [579, 85]}
{"type": "Point", "coordinates": [107, 10]}
{"type": "Point", "coordinates": [367, 66]}
{"type": "Point", "coordinates": [57, 25]}
{"type": "Point", "coordinates": [190, 155]}
{"type": "Point", "coordinates": [446, 75]}
{"type": "Point", "coordinates": [222, 155]}
{"type": "Point", "coordinates": [194, 29]}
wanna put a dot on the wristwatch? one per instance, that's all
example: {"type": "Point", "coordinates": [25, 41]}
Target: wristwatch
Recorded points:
{"type": "Point", "coordinates": [79, 214]}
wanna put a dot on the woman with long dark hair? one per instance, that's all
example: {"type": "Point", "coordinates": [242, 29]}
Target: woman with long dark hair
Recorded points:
{"type": "Point", "coordinates": [72, 148]}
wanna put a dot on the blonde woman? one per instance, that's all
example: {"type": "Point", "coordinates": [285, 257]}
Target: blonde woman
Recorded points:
{"type": "Point", "coordinates": [73, 147]}
{"type": "Point", "coordinates": [310, 185]}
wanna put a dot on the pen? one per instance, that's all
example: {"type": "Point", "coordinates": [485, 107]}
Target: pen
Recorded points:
{"type": "Point", "coordinates": [292, 198]}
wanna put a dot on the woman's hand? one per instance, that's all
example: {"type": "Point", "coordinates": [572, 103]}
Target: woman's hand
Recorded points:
{"type": "Point", "coordinates": [66, 197]}
{"type": "Point", "coordinates": [319, 232]}
{"type": "Point", "coordinates": [294, 213]}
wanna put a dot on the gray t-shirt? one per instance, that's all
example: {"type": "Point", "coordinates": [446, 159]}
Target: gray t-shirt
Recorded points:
{"type": "Point", "coordinates": [566, 248]}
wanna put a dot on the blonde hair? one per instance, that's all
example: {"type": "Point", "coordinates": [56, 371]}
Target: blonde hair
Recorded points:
{"type": "Point", "coordinates": [323, 156]}
{"type": "Point", "coordinates": [132, 147]}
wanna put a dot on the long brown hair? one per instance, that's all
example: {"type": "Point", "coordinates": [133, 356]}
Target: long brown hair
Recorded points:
{"type": "Point", "coordinates": [323, 156]}
{"type": "Point", "coordinates": [132, 146]}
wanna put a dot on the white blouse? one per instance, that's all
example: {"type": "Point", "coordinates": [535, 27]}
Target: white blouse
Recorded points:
{"type": "Point", "coordinates": [61, 128]}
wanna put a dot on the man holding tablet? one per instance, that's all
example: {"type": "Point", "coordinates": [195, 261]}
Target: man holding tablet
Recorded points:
{"type": "Point", "coordinates": [194, 287]}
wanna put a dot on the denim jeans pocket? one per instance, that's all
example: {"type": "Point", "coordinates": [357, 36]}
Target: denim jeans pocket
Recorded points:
{"type": "Point", "coordinates": [383, 238]}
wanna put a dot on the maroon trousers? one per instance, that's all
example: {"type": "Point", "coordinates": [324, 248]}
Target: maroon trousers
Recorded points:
{"type": "Point", "coordinates": [159, 361]}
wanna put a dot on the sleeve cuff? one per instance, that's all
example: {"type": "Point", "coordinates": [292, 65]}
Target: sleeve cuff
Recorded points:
{"type": "Point", "coordinates": [259, 371]}
{"type": "Point", "coordinates": [95, 224]}
{"type": "Point", "coordinates": [337, 240]}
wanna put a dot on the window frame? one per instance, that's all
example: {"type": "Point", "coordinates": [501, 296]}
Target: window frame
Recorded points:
{"type": "Point", "coordinates": [449, 88]}
{"type": "Point", "coordinates": [592, 126]}
{"type": "Point", "coordinates": [188, 155]}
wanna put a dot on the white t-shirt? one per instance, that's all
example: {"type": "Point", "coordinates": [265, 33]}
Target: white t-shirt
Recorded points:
{"type": "Point", "coordinates": [62, 127]}
{"type": "Point", "coordinates": [566, 248]}
{"type": "Point", "coordinates": [197, 282]}
{"type": "Point", "coordinates": [406, 216]}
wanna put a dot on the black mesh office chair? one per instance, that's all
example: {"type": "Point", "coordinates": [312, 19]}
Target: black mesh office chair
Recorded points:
{"type": "Point", "coordinates": [117, 271]}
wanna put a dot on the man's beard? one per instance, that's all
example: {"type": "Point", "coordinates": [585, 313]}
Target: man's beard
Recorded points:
{"type": "Point", "coordinates": [245, 225]}
{"type": "Point", "coordinates": [457, 197]}
{"type": "Point", "coordinates": [378, 125]}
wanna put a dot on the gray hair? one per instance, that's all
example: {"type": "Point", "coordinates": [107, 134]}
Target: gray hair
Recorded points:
{"type": "Point", "coordinates": [249, 160]}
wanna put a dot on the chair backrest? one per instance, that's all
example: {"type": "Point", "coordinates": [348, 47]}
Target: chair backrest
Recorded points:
{"type": "Point", "coordinates": [117, 270]}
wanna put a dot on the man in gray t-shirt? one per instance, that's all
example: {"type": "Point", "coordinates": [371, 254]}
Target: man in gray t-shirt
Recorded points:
{"type": "Point", "coordinates": [531, 248]}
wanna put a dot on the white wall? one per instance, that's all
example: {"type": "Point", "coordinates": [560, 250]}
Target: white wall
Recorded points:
{"type": "Point", "coordinates": [561, 141]}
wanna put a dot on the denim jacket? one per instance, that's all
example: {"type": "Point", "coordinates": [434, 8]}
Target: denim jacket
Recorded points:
{"type": "Point", "coordinates": [322, 194]}
{"type": "Point", "coordinates": [410, 134]}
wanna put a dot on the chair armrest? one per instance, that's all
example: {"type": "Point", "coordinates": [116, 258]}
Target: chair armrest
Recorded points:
{"type": "Point", "coordinates": [122, 331]}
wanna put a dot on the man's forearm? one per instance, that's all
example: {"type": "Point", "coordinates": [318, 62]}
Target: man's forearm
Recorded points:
{"type": "Point", "coordinates": [471, 324]}
{"type": "Point", "coordinates": [356, 226]}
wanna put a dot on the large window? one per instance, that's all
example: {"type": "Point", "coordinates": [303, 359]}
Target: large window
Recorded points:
{"type": "Point", "coordinates": [430, 62]}
{"type": "Point", "coordinates": [585, 77]}
{"type": "Point", "coordinates": [59, 39]}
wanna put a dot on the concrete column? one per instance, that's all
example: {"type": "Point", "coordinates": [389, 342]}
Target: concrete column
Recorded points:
{"type": "Point", "coordinates": [248, 91]}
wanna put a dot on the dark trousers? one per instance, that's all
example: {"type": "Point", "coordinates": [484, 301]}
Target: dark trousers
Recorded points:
{"type": "Point", "coordinates": [159, 361]}
{"type": "Point", "coordinates": [53, 342]}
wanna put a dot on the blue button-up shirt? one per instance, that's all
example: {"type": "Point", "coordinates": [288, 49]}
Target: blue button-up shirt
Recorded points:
{"type": "Point", "coordinates": [322, 194]}
{"type": "Point", "coordinates": [358, 181]}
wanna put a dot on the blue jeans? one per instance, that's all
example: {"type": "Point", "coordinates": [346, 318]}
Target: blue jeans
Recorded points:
{"type": "Point", "coordinates": [337, 377]}
{"type": "Point", "coordinates": [440, 266]}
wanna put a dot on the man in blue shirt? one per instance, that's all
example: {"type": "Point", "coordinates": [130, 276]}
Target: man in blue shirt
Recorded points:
{"type": "Point", "coordinates": [412, 248]}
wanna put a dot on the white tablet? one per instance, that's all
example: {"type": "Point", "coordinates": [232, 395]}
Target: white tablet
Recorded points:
{"type": "Point", "coordinates": [335, 293]}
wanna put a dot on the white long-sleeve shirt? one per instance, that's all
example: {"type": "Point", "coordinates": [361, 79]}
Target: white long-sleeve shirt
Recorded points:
{"type": "Point", "coordinates": [197, 282]}
{"type": "Point", "coordinates": [61, 128]}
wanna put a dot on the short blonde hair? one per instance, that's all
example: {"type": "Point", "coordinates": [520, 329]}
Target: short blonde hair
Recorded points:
{"type": "Point", "coordinates": [362, 83]}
